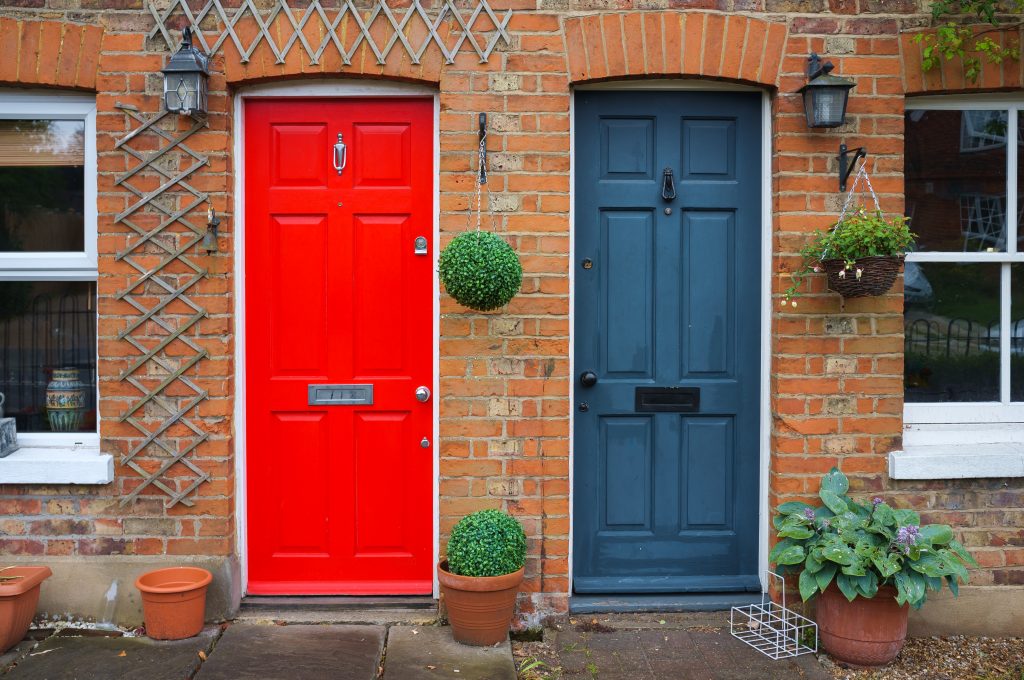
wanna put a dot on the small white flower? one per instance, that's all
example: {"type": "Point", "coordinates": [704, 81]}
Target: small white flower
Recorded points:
{"type": "Point", "coordinates": [859, 272]}
{"type": "Point", "coordinates": [842, 273]}
{"type": "Point", "coordinates": [794, 303]}
{"type": "Point", "coordinates": [817, 269]}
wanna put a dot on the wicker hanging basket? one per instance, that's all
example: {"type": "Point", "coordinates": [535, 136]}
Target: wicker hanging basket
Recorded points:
{"type": "Point", "coordinates": [877, 274]}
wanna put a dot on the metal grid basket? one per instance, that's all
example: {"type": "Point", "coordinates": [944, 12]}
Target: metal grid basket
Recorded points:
{"type": "Point", "coordinates": [772, 629]}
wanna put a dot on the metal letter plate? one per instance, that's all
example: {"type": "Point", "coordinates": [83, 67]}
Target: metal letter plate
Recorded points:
{"type": "Point", "coordinates": [340, 395]}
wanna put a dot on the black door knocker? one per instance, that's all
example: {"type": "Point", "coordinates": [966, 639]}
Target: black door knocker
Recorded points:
{"type": "Point", "coordinates": [668, 185]}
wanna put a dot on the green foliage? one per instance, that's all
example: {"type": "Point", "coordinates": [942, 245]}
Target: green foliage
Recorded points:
{"type": "Point", "coordinates": [861, 547]}
{"type": "Point", "coordinates": [486, 543]}
{"type": "Point", "coordinates": [861, 233]}
{"type": "Point", "coordinates": [480, 270]}
{"type": "Point", "coordinates": [956, 39]}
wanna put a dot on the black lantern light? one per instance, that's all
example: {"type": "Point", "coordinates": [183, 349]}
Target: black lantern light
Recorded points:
{"type": "Point", "coordinates": [185, 79]}
{"type": "Point", "coordinates": [825, 95]}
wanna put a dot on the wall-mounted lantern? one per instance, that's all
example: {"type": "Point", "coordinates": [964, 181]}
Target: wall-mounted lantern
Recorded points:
{"type": "Point", "coordinates": [185, 79]}
{"type": "Point", "coordinates": [825, 95]}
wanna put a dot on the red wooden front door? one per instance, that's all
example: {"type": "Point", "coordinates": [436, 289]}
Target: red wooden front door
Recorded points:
{"type": "Point", "coordinates": [339, 495]}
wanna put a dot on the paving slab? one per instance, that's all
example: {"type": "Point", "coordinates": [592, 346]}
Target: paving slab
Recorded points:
{"type": "Point", "coordinates": [430, 652]}
{"type": "Point", "coordinates": [300, 652]}
{"type": "Point", "coordinates": [91, 657]}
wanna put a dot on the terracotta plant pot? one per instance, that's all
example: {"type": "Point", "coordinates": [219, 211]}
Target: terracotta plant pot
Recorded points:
{"type": "Point", "coordinates": [18, 600]}
{"type": "Point", "coordinates": [174, 601]}
{"type": "Point", "coordinates": [479, 607]}
{"type": "Point", "coordinates": [865, 632]}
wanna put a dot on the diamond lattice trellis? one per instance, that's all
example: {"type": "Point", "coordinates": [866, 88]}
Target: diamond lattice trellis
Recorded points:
{"type": "Point", "coordinates": [398, 25]}
{"type": "Point", "coordinates": [157, 217]}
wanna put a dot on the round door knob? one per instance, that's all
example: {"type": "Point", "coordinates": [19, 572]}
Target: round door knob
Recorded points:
{"type": "Point", "coordinates": [422, 393]}
{"type": "Point", "coordinates": [588, 378]}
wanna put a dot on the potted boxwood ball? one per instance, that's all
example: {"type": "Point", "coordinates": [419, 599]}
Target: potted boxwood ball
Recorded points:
{"type": "Point", "coordinates": [868, 564]}
{"type": "Point", "coordinates": [480, 270]}
{"type": "Point", "coordinates": [481, 577]}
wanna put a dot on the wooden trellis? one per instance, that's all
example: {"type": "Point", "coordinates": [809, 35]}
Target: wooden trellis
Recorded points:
{"type": "Point", "coordinates": [398, 27]}
{"type": "Point", "coordinates": [155, 281]}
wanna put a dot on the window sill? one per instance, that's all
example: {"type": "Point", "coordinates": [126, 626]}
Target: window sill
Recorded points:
{"type": "Point", "coordinates": [958, 461]}
{"type": "Point", "coordinates": [59, 465]}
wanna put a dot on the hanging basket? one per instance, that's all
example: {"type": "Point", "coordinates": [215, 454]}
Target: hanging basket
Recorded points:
{"type": "Point", "coordinates": [480, 270]}
{"type": "Point", "coordinates": [877, 274]}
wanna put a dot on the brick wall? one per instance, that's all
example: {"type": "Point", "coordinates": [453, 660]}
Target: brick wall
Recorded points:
{"type": "Point", "coordinates": [836, 379]}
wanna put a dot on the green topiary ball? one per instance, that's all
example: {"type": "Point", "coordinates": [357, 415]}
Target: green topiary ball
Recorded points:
{"type": "Point", "coordinates": [487, 543]}
{"type": "Point", "coordinates": [480, 270]}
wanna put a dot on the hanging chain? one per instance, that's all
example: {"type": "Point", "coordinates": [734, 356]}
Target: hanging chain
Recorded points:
{"type": "Point", "coordinates": [481, 156]}
{"type": "Point", "coordinates": [861, 173]}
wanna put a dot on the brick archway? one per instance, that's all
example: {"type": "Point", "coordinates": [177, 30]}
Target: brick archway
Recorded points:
{"type": "Point", "coordinates": [49, 53]}
{"type": "Point", "coordinates": [705, 44]}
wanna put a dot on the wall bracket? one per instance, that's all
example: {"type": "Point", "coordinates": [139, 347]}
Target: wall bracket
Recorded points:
{"type": "Point", "coordinates": [846, 168]}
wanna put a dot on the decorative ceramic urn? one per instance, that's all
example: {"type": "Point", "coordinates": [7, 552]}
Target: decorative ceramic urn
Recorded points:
{"type": "Point", "coordinates": [65, 400]}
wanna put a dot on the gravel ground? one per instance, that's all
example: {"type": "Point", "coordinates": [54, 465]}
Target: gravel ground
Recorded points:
{"type": "Point", "coordinates": [947, 658]}
{"type": "Point", "coordinates": [933, 658]}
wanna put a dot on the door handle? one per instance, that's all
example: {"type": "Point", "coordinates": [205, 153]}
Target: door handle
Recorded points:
{"type": "Point", "coordinates": [588, 378]}
{"type": "Point", "coordinates": [340, 154]}
{"type": "Point", "coordinates": [668, 185]}
{"type": "Point", "coordinates": [422, 393]}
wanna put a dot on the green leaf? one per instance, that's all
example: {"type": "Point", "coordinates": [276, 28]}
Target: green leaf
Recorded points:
{"type": "Point", "coordinates": [883, 515]}
{"type": "Point", "coordinates": [786, 552]}
{"type": "Point", "coordinates": [835, 481]}
{"type": "Point", "coordinates": [937, 534]}
{"type": "Point", "coordinates": [838, 553]}
{"type": "Point", "coordinates": [794, 508]}
{"type": "Point", "coordinates": [867, 585]}
{"type": "Point", "coordinates": [797, 532]}
{"type": "Point", "coordinates": [825, 576]}
{"type": "Point", "coordinates": [907, 517]}
{"type": "Point", "coordinates": [812, 565]}
{"type": "Point", "coordinates": [847, 585]}
{"type": "Point", "coordinates": [962, 553]}
{"type": "Point", "coordinates": [808, 585]}
{"type": "Point", "coordinates": [833, 501]}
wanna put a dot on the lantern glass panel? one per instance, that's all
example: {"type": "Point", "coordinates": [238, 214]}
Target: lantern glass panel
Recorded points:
{"type": "Point", "coordinates": [828, 104]}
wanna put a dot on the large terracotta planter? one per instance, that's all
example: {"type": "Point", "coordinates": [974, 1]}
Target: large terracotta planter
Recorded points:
{"type": "Point", "coordinates": [479, 607]}
{"type": "Point", "coordinates": [174, 601]}
{"type": "Point", "coordinates": [18, 600]}
{"type": "Point", "coordinates": [865, 632]}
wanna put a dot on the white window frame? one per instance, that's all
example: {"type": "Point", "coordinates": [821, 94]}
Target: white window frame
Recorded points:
{"type": "Point", "coordinates": [990, 413]}
{"type": "Point", "coordinates": [58, 266]}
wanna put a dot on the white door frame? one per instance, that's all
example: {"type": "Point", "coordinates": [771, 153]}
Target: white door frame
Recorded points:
{"type": "Point", "coordinates": [309, 90]}
{"type": "Point", "coordinates": [764, 512]}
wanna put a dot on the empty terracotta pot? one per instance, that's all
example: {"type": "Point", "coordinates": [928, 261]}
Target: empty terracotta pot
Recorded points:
{"type": "Point", "coordinates": [174, 601]}
{"type": "Point", "coordinates": [18, 600]}
{"type": "Point", "coordinates": [865, 632]}
{"type": "Point", "coordinates": [480, 608]}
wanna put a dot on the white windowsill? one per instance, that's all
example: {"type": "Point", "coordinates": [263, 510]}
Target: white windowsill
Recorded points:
{"type": "Point", "coordinates": [958, 461]}
{"type": "Point", "coordinates": [57, 465]}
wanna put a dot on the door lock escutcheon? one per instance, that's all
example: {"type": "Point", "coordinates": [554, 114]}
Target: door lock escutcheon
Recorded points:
{"type": "Point", "coordinates": [422, 393]}
{"type": "Point", "coordinates": [425, 443]}
{"type": "Point", "coordinates": [419, 246]}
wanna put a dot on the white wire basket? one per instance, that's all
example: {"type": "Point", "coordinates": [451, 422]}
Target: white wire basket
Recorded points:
{"type": "Point", "coordinates": [772, 629]}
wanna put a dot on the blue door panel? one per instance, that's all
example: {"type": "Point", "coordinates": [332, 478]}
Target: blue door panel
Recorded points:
{"type": "Point", "coordinates": [666, 501]}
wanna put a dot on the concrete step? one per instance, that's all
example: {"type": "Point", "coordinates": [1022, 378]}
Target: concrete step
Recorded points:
{"type": "Point", "coordinates": [430, 652]}
{"type": "Point", "coordinates": [381, 611]}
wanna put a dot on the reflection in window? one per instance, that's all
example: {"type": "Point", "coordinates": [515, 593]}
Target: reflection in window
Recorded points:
{"type": "Point", "coordinates": [956, 179]}
{"type": "Point", "coordinates": [951, 332]}
{"type": "Point", "coordinates": [42, 183]}
{"type": "Point", "coordinates": [48, 354]}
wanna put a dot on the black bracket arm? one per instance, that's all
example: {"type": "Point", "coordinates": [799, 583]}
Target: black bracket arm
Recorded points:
{"type": "Point", "coordinates": [483, 148]}
{"type": "Point", "coordinates": [846, 167]}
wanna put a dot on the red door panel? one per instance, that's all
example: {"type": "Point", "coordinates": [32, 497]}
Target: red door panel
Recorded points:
{"type": "Point", "coordinates": [339, 496]}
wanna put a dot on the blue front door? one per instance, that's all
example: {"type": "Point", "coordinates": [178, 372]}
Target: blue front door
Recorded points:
{"type": "Point", "coordinates": [667, 341]}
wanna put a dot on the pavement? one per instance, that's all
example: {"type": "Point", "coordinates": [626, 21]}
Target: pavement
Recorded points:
{"type": "Point", "coordinates": [633, 647]}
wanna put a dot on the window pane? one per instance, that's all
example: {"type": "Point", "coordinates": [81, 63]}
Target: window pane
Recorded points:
{"type": "Point", "coordinates": [48, 345]}
{"type": "Point", "coordinates": [951, 326]}
{"type": "Point", "coordinates": [956, 179]}
{"type": "Point", "coordinates": [42, 182]}
{"type": "Point", "coordinates": [1017, 336]}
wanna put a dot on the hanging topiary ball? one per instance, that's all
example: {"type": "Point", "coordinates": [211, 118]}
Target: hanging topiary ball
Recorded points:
{"type": "Point", "coordinates": [480, 270]}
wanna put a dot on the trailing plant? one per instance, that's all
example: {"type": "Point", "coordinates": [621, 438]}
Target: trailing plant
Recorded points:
{"type": "Point", "coordinates": [487, 543]}
{"type": "Point", "coordinates": [861, 547]}
{"type": "Point", "coordinates": [480, 270]}
{"type": "Point", "coordinates": [956, 38]}
{"type": "Point", "coordinates": [860, 233]}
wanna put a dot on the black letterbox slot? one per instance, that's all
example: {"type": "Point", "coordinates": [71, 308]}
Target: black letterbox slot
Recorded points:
{"type": "Point", "coordinates": [667, 399]}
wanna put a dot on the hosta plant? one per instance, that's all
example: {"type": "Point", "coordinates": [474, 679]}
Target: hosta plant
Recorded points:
{"type": "Point", "coordinates": [860, 547]}
{"type": "Point", "coordinates": [861, 233]}
{"type": "Point", "coordinates": [486, 543]}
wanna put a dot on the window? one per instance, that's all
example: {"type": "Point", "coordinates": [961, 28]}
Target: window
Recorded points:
{"type": "Point", "coordinates": [48, 267]}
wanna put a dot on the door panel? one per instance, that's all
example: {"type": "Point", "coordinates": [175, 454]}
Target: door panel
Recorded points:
{"type": "Point", "coordinates": [665, 497]}
{"type": "Point", "coordinates": [338, 495]}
